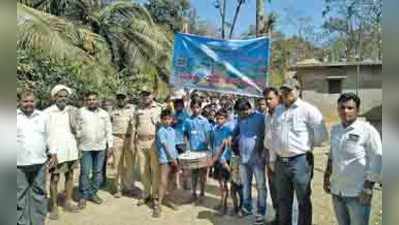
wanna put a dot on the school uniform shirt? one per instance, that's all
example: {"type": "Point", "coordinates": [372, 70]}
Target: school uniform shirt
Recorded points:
{"type": "Point", "coordinates": [95, 129]}
{"type": "Point", "coordinates": [219, 134]}
{"type": "Point", "coordinates": [198, 131]}
{"type": "Point", "coordinates": [32, 138]}
{"type": "Point", "coordinates": [60, 137]}
{"type": "Point", "coordinates": [356, 154]}
{"type": "Point", "coordinates": [250, 133]}
{"type": "Point", "coordinates": [296, 130]}
{"type": "Point", "coordinates": [179, 126]}
{"type": "Point", "coordinates": [166, 144]}
{"type": "Point", "coordinates": [232, 122]}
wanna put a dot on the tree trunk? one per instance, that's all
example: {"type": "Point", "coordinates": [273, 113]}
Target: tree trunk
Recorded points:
{"type": "Point", "coordinates": [260, 17]}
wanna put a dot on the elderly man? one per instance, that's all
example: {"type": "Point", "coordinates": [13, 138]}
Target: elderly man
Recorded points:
{"type": "Point", "coordinates": [354, 164]}
{"type": "Point", "coordinates": [147, 117]}
{"type": "Point", "coordinates": [61, 124]}
{"type": "Point", "coordinates": [297, 127]}
{"type": "Point", "coordinates": [94, 133]}
{"type": "Point", "coordinates": [32, 161]}
{"type": "Point", "coordinates": [122, 117]}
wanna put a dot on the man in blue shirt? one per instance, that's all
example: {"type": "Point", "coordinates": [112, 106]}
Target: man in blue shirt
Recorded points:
{"type": "Point", "coordinates": [198, 130]}
{"type": "Point", "coordinates": [167, 155]}
{"type": "Point", "coordinates": [250, 133]}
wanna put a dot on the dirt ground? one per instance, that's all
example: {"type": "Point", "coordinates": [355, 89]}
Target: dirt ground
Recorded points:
{"type": "Point", "coordinates": [123, 211]}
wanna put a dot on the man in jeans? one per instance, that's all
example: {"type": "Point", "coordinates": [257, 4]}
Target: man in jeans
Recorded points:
{"type": "Point", "coordinates": [354, 164]}
{"type": "Point", "coordinates": [94, 133]}
{"type": "Point", "coordinates": [297, 127]}
{"type": "Point", "coordinates": [250, 133]}
{"type": "Point", "coordinates": [32, 161]}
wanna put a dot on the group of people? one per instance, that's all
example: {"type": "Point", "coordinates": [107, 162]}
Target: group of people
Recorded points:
{"type": "Point", "coordinates": [272, 141]}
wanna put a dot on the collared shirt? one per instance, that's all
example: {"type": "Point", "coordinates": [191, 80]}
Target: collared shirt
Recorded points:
{"type": "Point", "coordinates": [147, 119]}
{"type": "Point", "coordinates": [296, 130]}
{"type": "Point", "coordinates": [122, 120]}
{"type": "Point", "coordinates": [95, 130]}
{"type": "Point", "coordinates": [250, 132]}
{"type": "Point", "coordinates": [32, 138]}
{"type": "Point", "coordinates": [268, 130]}
{"type": "Point", "coordinates": [179, 126]}
{"type": "Point", "coordinates": [356, 154]}
{"type": "Point", "coordinates": [198, 131]}
{"type": "Point", "coordinates": [232, 122]}
{"type": "Point", "coordinates": [60, 137]}
{"type": "Point", "coordinates": [219, 134]}
{"type": "Point", "coordinates": [166, 144]}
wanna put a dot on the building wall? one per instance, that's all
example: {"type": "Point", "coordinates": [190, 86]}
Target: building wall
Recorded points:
{"type": "Point", "coordinates": [315, 88]}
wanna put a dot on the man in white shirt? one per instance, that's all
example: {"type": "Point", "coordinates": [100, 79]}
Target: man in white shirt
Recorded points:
{"type": "Point", "coordinates": [62, 140]}
{"type": "Point", "coordinates": [354, 164]}
{"type": "Point", "coordinates": [94, 133]}
{"type": "Point", "coordinates": [32, 161]}
{"type": "Point", "coordinates": [272, 100]}
{"type": "Point", "coordinates": [297, 127]}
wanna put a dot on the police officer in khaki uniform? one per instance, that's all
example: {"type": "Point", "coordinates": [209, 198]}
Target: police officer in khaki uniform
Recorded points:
{"type": "Point", "coordinates": [122, 153]}
{"type": "Point", "coordinates": [147, 118]}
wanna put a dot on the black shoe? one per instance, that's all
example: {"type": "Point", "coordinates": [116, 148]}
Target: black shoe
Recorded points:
{"type": "Point", "coordinates": [144, 201]}
{"type": "Point", "coordinates": [96, 199]}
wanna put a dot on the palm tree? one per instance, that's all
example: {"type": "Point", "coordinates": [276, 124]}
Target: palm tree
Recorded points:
{"type": "Point", "coordinates": [62, 41]}
{"type": "Point", "coordinates": [125, 30]}
{"type": "Point", "coordinates": [134, 39]}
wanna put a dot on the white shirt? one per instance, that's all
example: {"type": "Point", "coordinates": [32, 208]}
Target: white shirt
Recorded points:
{"type": "Point", "coordinates": [94, 130]}
{"type": "Point", "coordinates": [31, 138]}
{"type": "Point", "coordinates": [356, 154]}
{"type": "Point", "coordinates": [60, 137]}
{"type": "Point", "coordinates": [296, 130]}
{"type": "Point", "coordinates": [268, 134]}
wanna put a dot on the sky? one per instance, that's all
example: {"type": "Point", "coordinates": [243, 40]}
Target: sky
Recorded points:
{"type": "Point", "coordinates": [288, 11]}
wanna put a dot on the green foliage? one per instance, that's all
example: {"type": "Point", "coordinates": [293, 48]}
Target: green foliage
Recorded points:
{"type": "Point", "coordinates": [357, 24]}
{"type": "Point", "coordinates": [169, 13]}
{"type": "Point", "coordinates": [135, 40]}
{"type": "Point", "coordinates": [64, 42]}
{"type": "Point", "coordinates": [37, 71]}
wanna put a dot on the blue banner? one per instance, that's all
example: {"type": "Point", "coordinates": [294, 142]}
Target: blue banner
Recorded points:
{"type": "Point", "coordinates": [227, 66]}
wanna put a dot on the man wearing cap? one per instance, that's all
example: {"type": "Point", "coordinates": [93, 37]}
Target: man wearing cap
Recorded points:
{"type": "Point", "coordinates": [61, 138]}
{"type": "Point", "coordinates": [146, 120]}
{"type": "Point", "coordinates": [122, 117]}
{"type": "Point", "coordinates": [297, 127]}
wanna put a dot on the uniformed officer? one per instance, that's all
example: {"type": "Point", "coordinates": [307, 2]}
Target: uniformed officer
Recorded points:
{"type": "Point", "coordinates": [147, 118]}
{"type": "Point", "coordinates": [122, 153]}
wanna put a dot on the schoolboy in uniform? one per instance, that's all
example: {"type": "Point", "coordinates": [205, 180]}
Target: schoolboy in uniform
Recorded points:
{"type": "Point", "coordinates": [198, 130]}
{"type": "Point", "coordinates": [220, 134]}
{"type": "Point", "coordinates": [167, 155]}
